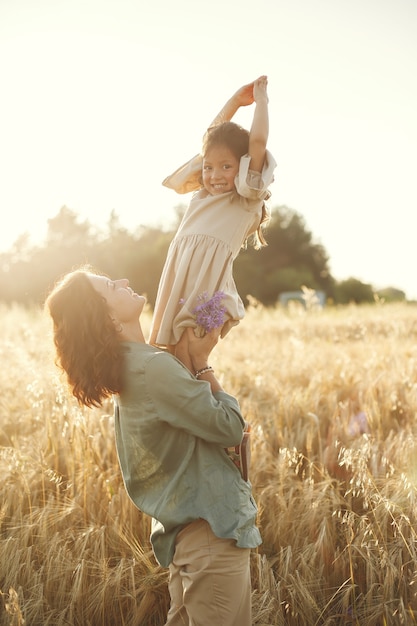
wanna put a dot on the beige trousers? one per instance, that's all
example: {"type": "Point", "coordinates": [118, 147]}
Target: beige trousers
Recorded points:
{"type": "Point", "coordinates": [209, 580]}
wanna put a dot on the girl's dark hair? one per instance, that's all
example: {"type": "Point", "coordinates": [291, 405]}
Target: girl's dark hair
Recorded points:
{"type": "Point", "coordinates": [227, 134]}
{"type": "Point", "coordinates": [87, 344]}
{"type": "Point", "coordinates": [236, 139]}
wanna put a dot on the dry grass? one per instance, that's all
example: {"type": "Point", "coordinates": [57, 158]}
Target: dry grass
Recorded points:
{"type": "Point", "coordinates": [332, 399]}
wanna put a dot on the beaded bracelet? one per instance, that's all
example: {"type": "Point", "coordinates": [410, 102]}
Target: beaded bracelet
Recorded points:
{"type": "Point", "coordinates": [203, 371]}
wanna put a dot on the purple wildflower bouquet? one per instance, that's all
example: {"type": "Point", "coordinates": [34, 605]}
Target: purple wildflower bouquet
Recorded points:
{"type": "Point", "coordinates": [209, 313]}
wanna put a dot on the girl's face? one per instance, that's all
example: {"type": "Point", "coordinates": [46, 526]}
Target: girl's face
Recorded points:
{"type": "Point", "coordinates": [220, 167]}
{"type": "Point", "coordinates": [123, 302]}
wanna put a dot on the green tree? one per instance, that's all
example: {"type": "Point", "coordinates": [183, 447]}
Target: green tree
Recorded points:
{"type": "Point", "coordinates": [289, 261]}
{"type": "Point", "coordinates": [66, 229]}
{"type": "Point", "coordinates": [391, 294]}
{"type": "Point", "coordinates": [353, 290]}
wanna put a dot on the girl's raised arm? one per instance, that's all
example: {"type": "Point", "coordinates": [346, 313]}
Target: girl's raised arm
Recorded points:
{"type": "Point", "coordinates": [259, 131]}
{"type": "Point", "coordinates": [242, 97]}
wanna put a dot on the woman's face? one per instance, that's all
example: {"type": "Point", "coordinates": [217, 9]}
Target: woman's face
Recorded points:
{"type": "Point", "coordinates": [123, 302]}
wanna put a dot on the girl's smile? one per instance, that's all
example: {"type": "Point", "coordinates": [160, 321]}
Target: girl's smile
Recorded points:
{"type": "Point", "coordinates": [220, 168]}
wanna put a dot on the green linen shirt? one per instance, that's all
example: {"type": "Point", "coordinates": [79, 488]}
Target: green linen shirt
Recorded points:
{"type": "Point", "coordinates": [171, 432]}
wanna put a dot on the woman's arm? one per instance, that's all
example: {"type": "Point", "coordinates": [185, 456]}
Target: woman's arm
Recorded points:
{"type": "Point", "coordinates": [175, 397]}
{"type": "Point", "coordinates": [198, 350]}
{"type": "Point", "coordinates": [259, 131]}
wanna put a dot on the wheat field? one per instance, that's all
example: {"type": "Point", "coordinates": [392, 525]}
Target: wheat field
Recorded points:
{"type": "Point", "coordinates": [331, 396]}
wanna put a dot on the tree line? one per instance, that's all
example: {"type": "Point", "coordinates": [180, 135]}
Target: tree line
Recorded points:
{"type": "Point", "coordinates": [292, 260]}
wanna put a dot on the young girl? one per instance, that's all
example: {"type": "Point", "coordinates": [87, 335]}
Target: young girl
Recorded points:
{"type": "Point", "coordinates": [231, 178]}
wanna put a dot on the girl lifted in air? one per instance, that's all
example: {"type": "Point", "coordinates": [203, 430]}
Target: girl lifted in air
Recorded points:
{"type": "Point", "coordinates": [230, 179]}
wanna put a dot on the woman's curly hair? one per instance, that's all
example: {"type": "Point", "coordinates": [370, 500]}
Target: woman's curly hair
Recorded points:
{"type": "Point", "coordinates": [236, 138]}
{"type": "Point", "coordinates": [87, 344]}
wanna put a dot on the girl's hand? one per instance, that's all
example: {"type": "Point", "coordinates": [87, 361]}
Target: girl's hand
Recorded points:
{"type": "Point", "coordinates": [241, 98]}
{"type": "Point", "coordinates": [244, 95]}
{"type": "Point", "coordinates": [260, 89]}
{"type": "Point", "coordinates": [249, 93]}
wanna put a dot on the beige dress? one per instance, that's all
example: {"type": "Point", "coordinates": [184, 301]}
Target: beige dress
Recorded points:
{"type": "Point", "coordinates": [210, 236]}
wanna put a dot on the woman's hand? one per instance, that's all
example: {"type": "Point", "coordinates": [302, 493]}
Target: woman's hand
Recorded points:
{"type": "Point", "coordinates": [199, 348]}
{"type": "Point", "coordinates": [197, 351]}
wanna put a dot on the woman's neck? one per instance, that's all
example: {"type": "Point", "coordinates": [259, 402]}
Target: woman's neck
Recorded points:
{"type": "Point", "coordinates": [132, 333]}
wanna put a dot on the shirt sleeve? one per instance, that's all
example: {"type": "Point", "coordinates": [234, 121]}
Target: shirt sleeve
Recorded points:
{"type": "Point", "coordinates": [187, 177]}
{"type": "Point", "coordinates": [254, 185]}
{"type": "Point", "coordinates": [186, 403]}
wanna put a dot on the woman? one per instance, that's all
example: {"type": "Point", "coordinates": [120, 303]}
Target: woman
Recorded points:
{"type": "Point", "coordinates": [172, 428]}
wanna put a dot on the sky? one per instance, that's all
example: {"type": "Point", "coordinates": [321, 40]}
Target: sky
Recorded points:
{"type": "Point", "coordinates": [101, 99]}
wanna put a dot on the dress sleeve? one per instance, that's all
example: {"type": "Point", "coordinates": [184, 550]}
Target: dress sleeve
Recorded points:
{"type": "Point", "coordinates": [187, 177]}
{"type": "Point", "coordinates": [253, 185]}
{"type": "Point", "coordinates": [188, 404]}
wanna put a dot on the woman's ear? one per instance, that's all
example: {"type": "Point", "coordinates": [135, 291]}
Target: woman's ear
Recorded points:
{"type": "Point", "coordinates": [118, 327]}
